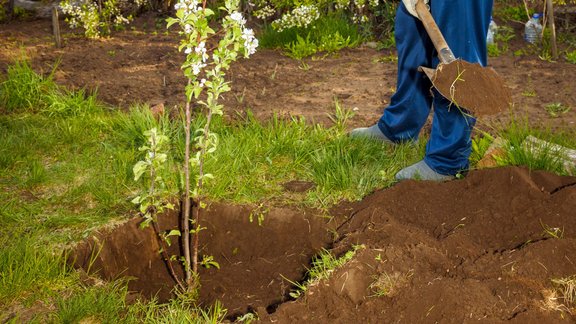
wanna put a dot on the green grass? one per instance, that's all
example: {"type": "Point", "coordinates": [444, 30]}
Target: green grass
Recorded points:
{"type": "Point", "coordinates": [176, 311]}
{"type": "Point", "coordinates": [511, 13]}
{"type": "Point", "coordinates": [258, 157]}
{"type": "Point", "coordinates": [96, 304]}
{"type": "Point", "coordinates": [29, 270]}
{"type": "Point", "coordinates": [323, 265]}
{"type": "Point", "coordinates": [327, 34]}
{"type": "Point", "coordinates": [517, 153]}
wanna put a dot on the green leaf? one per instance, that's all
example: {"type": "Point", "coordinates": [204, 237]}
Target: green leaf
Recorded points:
{"type": "Point", "coordinates": [136, 200]}
{"type": "Point", "coordinates": [173, 233]}
{"type": "Point", "coordinates": [139, 169]}
{"type": "Point", "coordinates": [209, 176]}
{"type": "Point", "coordinates": [171, 21]}
{"type": "Point", "coordinates": [146, 223]}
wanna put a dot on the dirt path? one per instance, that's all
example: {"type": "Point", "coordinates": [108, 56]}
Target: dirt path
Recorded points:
{"type": "Point", "coordinates": [142, 65]}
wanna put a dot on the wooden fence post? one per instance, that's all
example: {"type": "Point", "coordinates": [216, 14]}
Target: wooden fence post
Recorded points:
{"type": "Point", "coordinates": [550, 12]}
{"type": "Point", "coordinates": [56, 27]}
{"type": "Point", "coordinates": [10, 9]}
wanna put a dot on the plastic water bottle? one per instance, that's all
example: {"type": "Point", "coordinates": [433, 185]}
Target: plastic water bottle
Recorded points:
{"type": "Point", "coordinates": [533, 29]}
{"type": "Point", "coordinates": [492, 28]}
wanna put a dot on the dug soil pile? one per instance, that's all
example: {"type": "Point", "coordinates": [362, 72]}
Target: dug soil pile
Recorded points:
{"type": "Point", "coordinates": [483, 249]}
{"type": "Point", "coordinates": [474, 250]}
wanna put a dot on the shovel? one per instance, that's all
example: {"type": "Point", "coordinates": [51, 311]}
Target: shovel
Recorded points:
{"type": "Point", "coordinates": [480, 90]}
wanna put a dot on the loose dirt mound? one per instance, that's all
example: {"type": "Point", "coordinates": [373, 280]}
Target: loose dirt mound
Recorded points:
{"type": "Point", "coordinates": [464, 251]}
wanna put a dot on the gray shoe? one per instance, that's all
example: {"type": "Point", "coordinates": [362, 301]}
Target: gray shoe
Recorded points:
{"type": "Point", "coordinates": [372, 132]}
{"type": "Point", "coordinates": [421, 171]}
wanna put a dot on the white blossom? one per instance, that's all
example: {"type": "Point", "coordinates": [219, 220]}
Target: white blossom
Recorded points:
{"type": "Point", "coordinates": [264, 12]}
{"type": "Point", "coordinates": [187, 29]}
{"type": "Point", "coordinates": [201, 50]}
{"type": "Point", "coordinates": [250, 42]}
{"type": "Point", "coordinates": [237, 17]}
{"type": "Point", "coordinates": [197, 67]}
{"type": "Point", "coordinates": [189, 6]}
{"type": "Point", "coordinates": [299, 17]}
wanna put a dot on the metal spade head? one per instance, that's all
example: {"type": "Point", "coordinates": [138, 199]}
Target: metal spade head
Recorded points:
{"type": "Point", "coordinates": [471, 86]}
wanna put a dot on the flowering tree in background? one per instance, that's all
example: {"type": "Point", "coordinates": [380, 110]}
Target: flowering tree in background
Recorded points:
{"type": "Point", "coordinates": [99, 17]}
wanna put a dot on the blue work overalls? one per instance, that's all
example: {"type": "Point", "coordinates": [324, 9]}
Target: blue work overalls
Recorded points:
{"type": "Point", "coordinates": [464, 24]}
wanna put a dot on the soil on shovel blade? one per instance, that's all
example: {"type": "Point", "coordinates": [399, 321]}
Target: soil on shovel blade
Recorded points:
{"type": "Point", "coordinates": [477, 249]}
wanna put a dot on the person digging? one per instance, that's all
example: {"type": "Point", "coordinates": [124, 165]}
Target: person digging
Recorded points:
{"type": "Point", "coordinates": [464, 25]}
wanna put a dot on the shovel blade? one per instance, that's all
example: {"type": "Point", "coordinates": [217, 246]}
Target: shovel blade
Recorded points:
{"type": "Point", "coordinates": [473, 87]}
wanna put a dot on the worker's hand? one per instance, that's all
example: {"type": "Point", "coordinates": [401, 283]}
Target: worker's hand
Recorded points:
{"type": "Point", "coordinates": [411, 6]}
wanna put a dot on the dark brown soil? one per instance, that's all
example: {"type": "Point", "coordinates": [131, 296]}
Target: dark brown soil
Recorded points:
{"type": "Point", "coordinates": [463, 251]}
{"type": "Point", "coordinates": [467, 250]}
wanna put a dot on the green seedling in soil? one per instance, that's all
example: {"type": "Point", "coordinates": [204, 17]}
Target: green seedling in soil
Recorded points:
{"type": "Point", "coordinates": [341, 116]}
{"type": "Point", "coordinates": [258, 214]}
{"type": "Point", "coordinates": [240, 98]}
{"type": "Point", "coordinates": [300, 48]}
{"type": "Point", "coordinates": [571, 56]}
{"type": "Point", "coordinates": [502, 38]}
{"type": "Point", "coordinates": [273, 75]}
{"type": "Point", "coordinates": [553, 232]}
{"type": "Point", "coordinates": [529, 93]}
{"type": "Point", "coordinates": [556, 109]}
{"type": "Point", "coordinates": [494, 50]}
{"type": "Point", "coordinates": [390, 58]}
{"type": "Point", "coordinates": [333, 43]}
{"type": "Point", "coordinates": [304, 66]}
{"type": "Point", "coordinates": [323, 265]}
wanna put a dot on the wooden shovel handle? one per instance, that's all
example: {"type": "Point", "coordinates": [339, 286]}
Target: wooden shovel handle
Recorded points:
{"type": "Point", "coordinates": [444, 52]}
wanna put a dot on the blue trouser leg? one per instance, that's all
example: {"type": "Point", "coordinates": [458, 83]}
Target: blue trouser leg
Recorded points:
{"type": "Point", "coordinates": [464, 24]}
{"type": "Point", "coordinates": [410, 105]}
